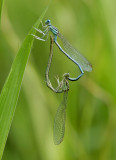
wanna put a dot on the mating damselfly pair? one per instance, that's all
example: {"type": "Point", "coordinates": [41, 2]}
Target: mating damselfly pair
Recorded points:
{"type": "Point", "coordinates": [63, 86]}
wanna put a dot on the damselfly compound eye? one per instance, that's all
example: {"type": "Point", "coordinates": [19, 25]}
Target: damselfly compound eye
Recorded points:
{"type": "Point", "coordinates": [47, 21]}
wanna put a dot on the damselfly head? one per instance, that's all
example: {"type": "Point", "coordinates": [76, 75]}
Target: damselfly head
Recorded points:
{"type": "Point", "coordinates": [48, 22]}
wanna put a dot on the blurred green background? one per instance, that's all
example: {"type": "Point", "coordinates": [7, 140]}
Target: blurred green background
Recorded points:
{"type": "Point", "coordinates": [91, 111]}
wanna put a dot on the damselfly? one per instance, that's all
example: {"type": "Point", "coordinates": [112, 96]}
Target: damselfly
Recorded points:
{"type": "Point", "coordinates": [68, 50]}
{"type": "Point", "coordinates": [63, 86]}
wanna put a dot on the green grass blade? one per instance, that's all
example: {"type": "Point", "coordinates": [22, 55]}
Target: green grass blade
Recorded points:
{"type": "Point", "coordinates": [11, 89]}
{"type": "Point", "coordinates": [1, 2]}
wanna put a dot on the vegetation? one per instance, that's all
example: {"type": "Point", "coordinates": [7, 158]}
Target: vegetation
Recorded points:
{"type": "Point", "coordinates": [91, 109]}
